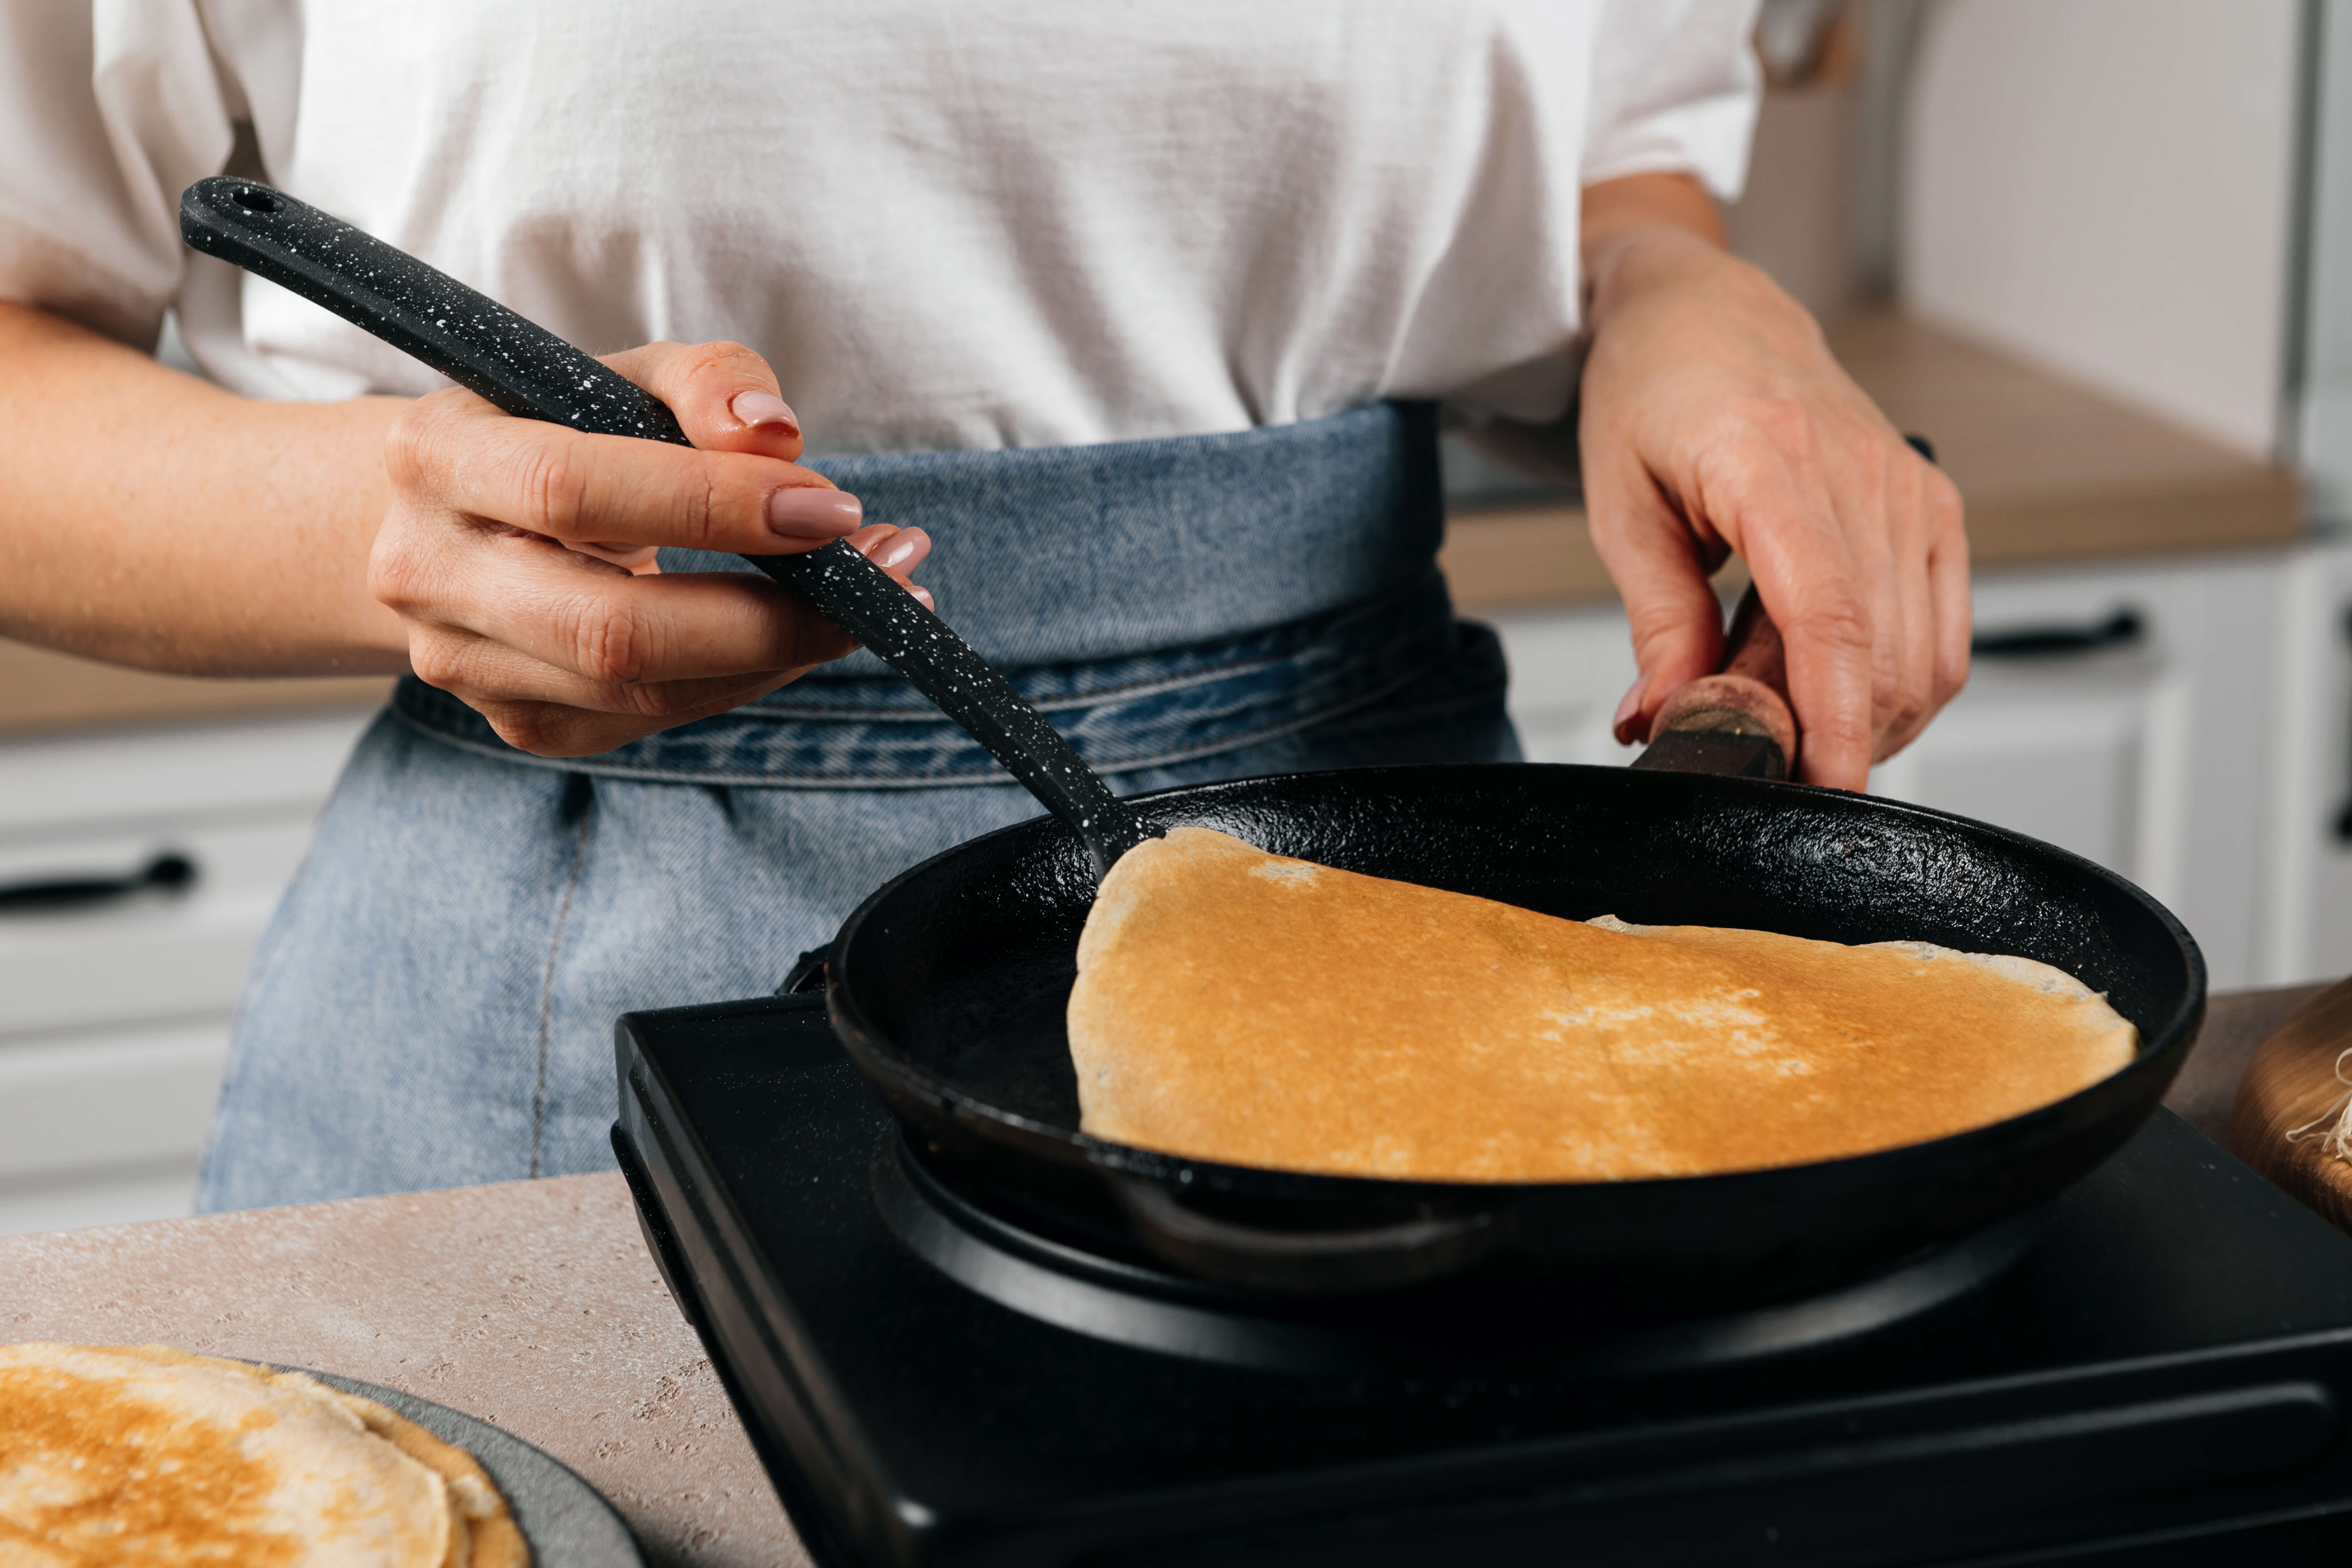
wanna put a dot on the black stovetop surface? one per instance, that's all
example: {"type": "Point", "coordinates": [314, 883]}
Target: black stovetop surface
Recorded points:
{"type": "Point", "coordinates": [2163, 1374]}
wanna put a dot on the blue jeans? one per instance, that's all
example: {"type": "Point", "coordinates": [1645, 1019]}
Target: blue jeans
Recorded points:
{"type": "Point", "coordinates": [433, 1004]}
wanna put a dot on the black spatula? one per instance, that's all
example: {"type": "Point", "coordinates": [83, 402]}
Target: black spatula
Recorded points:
{"type": "Point", "coordinates": [530, 372]}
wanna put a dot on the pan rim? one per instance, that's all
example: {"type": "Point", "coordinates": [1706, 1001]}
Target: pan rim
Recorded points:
{"type": "Point", "coordinates": [879, 1056]}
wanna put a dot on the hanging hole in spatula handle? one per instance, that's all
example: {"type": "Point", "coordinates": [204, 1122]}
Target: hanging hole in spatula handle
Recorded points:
{"type": "Point", "coordinates": [530, 372]}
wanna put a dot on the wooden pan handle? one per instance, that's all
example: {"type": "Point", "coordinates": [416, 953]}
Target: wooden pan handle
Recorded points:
{"type": "Point", "coordinates": [1738, 721]}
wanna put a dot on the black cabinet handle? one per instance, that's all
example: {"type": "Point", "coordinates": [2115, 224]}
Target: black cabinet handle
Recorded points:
{"type": "Point", "coordinates": [2344, 812]}
{"type": "Point", "coordinates": [2121, 629]}
{"type": "Point", "coordinates": [165, 873]}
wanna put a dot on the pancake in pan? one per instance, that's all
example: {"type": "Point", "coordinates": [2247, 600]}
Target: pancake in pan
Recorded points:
{"type": "Point", "coordinates": [1246, 1008]}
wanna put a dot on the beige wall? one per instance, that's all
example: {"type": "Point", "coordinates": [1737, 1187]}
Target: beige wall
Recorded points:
{"type": "Point", "coordinates": [2104, 186]}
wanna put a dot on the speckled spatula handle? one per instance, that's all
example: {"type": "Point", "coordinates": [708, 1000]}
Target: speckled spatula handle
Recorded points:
{"type": "Point", "coordinates": [530, 372]}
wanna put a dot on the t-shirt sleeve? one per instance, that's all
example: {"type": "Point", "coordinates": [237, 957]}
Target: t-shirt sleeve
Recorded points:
{"type": "Point", "coordinates": [108, 109]}
{"type": "Point", "coordinates": [1674, 86]}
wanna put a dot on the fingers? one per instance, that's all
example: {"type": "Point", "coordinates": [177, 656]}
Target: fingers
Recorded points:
{"type": "Point", "coordinates": [1819, 595]}
{"type": "Point", "coordinates": [496, 678]}
{"type": "Point", "coordinates": [1874, 489]}
{"type": "Point", "coordinates": [1885, 591]}
{"type": "Point", "coordinates": [565, 730]}
{"type": "Point", "coordinates": [1907, 693]}
{"type": "Point", "coordinates": [1947, 585]}
{"type": "Point", "coordinates": [566, 655]}
{"type": "Point", "coordinates": [1659, 571]}
{"type": "Point", "coordinates": [724, 396]}
{"type": "Point", "coordinates": [560, 611]}
{"type": "Point", "coordinates": [521, 554]}
{"type": "Point", "coordinates": [455, 453]}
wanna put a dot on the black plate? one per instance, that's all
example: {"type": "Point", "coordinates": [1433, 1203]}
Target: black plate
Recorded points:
{"type": "Point", "coordinates": [566, 1521]}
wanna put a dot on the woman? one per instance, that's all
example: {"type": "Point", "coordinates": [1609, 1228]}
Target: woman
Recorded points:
{"type": "Point", "coordinates": [1134, 310]}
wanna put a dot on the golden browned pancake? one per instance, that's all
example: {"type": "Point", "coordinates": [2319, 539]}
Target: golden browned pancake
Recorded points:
{"type": "Point", "coordinates": [1239, 1006]}
{"type": "Point", "coordinates": [146, 1454]}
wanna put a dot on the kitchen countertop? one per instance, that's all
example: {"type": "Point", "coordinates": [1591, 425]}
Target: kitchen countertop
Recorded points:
{"type": "Point", "coordinates": [2051, 470]}
{"type": "Point", "coordinates": [534, 1306]}
{"type": "Point", "coordinates": [43, 689]}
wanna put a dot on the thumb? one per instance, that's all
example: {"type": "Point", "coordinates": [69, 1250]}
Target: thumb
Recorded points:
{"type": "Point", "coordinates": [1656, 562]}
{"type": "Point", "coordinates": [724, 397]}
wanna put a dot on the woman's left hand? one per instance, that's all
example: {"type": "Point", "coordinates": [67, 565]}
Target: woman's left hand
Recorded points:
{"type": "Point", "coordinates": [1715, 421]}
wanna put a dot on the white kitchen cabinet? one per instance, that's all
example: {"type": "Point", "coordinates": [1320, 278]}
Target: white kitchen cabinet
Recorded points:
{"type": "Point", "coordinates": [2141, 746]}
{"type": "Point", "coordinates": [1570, 667]}
{"type": "Point", "coordinates": [2305, 922]}
{"type": "Point", "coordinates": [114, 1014]}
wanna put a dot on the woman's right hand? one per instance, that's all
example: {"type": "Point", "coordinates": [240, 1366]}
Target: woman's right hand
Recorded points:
{"type": "Point", "coordinates": [521, 555]}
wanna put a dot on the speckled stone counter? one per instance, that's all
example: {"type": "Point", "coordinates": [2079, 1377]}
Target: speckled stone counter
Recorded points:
{"type": "Point", "coordinates": [534, 1306]}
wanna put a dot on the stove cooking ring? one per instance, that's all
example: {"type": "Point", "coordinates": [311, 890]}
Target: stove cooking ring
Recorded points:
{"type": "Point", "coordinates": [1522, 1327]}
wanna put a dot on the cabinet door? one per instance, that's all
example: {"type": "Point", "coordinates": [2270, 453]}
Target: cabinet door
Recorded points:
{"type": "Point", "coordinates": [2140, 748]}
{"type": "Point", "coordinates": [2061, 760]}
{"type": "Point", "coordinates": [114, 1013]}
{"type": "Point", "coordinates": [1570, 666]}
{"type": "Point", "coordinates": [2306, 908]}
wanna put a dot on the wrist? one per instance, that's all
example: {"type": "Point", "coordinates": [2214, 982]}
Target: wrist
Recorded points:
{"type": "Point", "coordinates": [1638, 230]}
{"type": "Point", "coordinates": [1628, 263]}
{"type": "Point", "coordinates": [349, 629]}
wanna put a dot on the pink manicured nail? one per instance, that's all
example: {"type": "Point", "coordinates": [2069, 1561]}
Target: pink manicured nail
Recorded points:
{"type": "Point", "coordinates": [809, 512]}
{"type": "Point", "coordinates": [757, 408]}
{"type": "Point", "coordinates": [902, 550]}
{"type": "Point", "coordinates": [1630, 705]}
{"type": "Point", "coordinates": [924, 595]}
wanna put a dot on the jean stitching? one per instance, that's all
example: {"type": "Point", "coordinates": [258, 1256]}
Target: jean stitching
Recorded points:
{"type": "Point", "coordinates": [1292, 641]}
{"type": "Point", "coordinates": [992, 774]}
{"type": "Point", "coordinates": [1300, 715]}
{"type": "Point", "coordinates": [1287, 643]}
{"type": "Point", "coordinates": [1336, 669]}
{"type": "Point", "coordinates": [547, 995]}
{"type": "Point", "coordinates": [1093, 696]}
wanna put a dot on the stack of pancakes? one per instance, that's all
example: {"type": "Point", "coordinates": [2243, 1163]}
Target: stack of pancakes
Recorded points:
{"type": "Point", "coordinates": [151, 1456]}
{"type": "Point", "coordinates": [1255, 1010]}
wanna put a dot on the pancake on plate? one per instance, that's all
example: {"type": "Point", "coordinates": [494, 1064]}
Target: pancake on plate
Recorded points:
{"type": "Point", "coordinates": [146, 1454]}
{"type": "Point", "coordinates": [1246, 1008]}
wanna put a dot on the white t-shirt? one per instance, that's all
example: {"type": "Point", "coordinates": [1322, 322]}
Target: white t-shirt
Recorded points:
{"type": "Point", "coordinates": [947, 223]}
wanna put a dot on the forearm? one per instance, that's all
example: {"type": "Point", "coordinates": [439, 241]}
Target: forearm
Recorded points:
{"type": "Point", "coordinates": [148, 518]}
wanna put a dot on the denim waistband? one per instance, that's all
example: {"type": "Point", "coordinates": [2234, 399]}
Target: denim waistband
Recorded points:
{"type": "Point", "coordinates": [1060, 554]}
{"type": "Point", "coordinates": [1159, 600]}
{"type": "Point", "coordinates": [1151, 710]}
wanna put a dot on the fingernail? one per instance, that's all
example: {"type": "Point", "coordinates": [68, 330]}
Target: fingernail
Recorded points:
{"type": "Point", "coordinates": [756, 408]}
{"type": "Point", "coordinates": [807, 511]}
{"type": "Point", "coordinates": [903, 548]}
{"type": "Point", "coordinates": [924, 595]}
{"type": "Point", "coordinates": [1630, 704]}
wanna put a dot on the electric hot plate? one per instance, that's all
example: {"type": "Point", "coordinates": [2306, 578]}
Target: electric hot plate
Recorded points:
{"type": "Point", "coordinates": [2155, 1368]}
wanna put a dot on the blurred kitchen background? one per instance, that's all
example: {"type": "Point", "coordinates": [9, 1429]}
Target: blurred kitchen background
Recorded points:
{"type": "Point", "coordinates": [2100, 251]}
